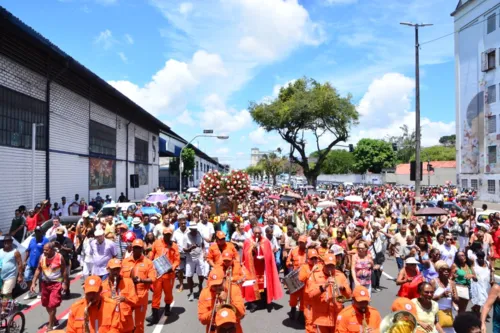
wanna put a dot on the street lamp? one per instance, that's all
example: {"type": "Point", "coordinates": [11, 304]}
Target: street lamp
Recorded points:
{"type": "Point", "coordinates": [417, 107]}
{"type": "Point", "coordinates": [181, 165]}
{"type": "Point", "coordinates": [33, 150]}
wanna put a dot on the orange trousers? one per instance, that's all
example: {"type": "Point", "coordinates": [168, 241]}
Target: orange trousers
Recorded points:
{"type": "Point", "coordinates": [310, 327]}
{"type": "Point", "coordinates": [163, 284]}
{"type": "Point", "coordinates": [140, 317]}
{"type": "Point", "coordinates": [325, 329]}
{"type": "Point", "coordinates": [295, 298]}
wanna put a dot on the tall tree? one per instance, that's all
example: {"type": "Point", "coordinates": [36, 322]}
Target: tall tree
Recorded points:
{"type": "Point", "coordinates": [272, 165]}
{"type": "Point", "coordinates": [437, 153]}
{"type": "Point", "coordinates": [307, 106]}
{"type": "Point", "coordinates": [373, 155]}
{"type": "Point", "coordinates": [188, 160]}
{"type": "Point", "coordinates": [337, 161]}
{"type": "Point", "coordinates": [448, 140]}
{"type": "Point", "coordinates": [405, 144]}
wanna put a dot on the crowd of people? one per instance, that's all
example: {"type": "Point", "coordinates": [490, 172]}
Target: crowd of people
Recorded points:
{"type": "Point", "coordinates": [326, 252]}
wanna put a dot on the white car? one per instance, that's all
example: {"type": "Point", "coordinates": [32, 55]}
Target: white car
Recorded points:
{"type": "Point", "coordinates": [109, 209]}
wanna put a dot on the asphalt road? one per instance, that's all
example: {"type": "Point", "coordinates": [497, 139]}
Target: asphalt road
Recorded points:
{"type": "Point", "coordinates": [184, 313]}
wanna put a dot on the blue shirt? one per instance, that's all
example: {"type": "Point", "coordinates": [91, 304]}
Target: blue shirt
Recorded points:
{"type": "Point", "coordinates": [9, 264]}
{"type": "Point", "coordinates": [36, 250]}
{"type": "Point", "coordinates": [127, 221]}
{"type": "Point", "coordinates": [139, 232]}
{"type": "Point", "coordinates": [148, 227]}
{"type": "Point", "coordinates": [225, 229]}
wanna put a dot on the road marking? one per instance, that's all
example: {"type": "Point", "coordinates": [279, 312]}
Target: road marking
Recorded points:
{"type": "Point", "coordinates": [63, 316]}
{"type": "Point", "coordinates": [37, 302]}
{"type": "Point", "coordinates": [387, 276]}
{"type": "Point", "coordinates": [163, 319]}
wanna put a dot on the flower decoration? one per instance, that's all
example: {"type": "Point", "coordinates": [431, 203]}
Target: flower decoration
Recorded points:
{"type": "Point", "coordinates": [236, 184]}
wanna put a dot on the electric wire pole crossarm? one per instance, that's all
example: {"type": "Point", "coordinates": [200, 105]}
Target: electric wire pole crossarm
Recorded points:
{"type": "Point", "coordinates": [181, 165]}
{"type": "Point", "coordinates": [417, 107]}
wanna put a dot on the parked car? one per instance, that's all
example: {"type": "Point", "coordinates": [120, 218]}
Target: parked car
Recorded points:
{"type": "Point", "coordinates": [109, 209]}
{"type": "Point", "coordinates": [446, 205]}
{"type": "Point", "coordinates": [483, 216]}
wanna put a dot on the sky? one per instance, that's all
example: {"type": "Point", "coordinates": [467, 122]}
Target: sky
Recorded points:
{"type": "Point", "coordinates": [198, 64]}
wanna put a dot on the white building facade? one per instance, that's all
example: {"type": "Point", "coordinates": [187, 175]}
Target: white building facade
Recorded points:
{"type": "Point", "coordinates": [82, 147]}
{"type": "Point", "coordinates": [477, 68]}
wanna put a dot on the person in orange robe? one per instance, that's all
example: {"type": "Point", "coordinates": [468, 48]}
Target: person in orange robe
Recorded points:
{"type": "Point", "coordinates": [353, 316]}
{"type": "Point", "coordinates": [122, 290]}
{"type": "Point", "coordinates": [325, 289]}
{"type": "Point", "coordinates": [141, 270]}
{"type": "Point", "coordinates": [228, 260]}
{"type": "Point", "coordinates": [216, 290]}
{"type": "Point", "coordinates": [164, 283]}
{"type": "Point", "coordinates": [258, 259]}
{"type": "Point", "coordinates": [214, 255]}
{"type": "Point", "coordinates": [305, 273]}
{"type": "Point", "coordinates": [103, 313]}
{"type": "Point", "coordinates": [297, 258]}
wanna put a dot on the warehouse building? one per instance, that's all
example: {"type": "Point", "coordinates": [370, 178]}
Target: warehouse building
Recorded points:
{"type": "Point", "coordinates": [90, 138]}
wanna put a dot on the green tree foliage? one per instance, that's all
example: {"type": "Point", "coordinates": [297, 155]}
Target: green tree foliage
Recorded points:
{"type": "Point", "coordinates": [437, 153]}
{"type": "Point", "coordinates": [337, 161]}
{"type": "Point", "coordinates": [448, 140]}
{"type": "Point", "coordinates": [373, 155]}
{"type": "Point", "coordinates": [272, 165]}
{"type": "Point", "coordinates": [406, 143]}
{"type": "Point", "coordinates": [188, 159]}
{"type": "Point", "coordinates": [307, 106]}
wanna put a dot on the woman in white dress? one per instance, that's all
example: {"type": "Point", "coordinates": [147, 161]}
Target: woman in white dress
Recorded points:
{"type": "Point", "coordinates": [481, 288]}
{"type": "Point", "coordinates": [445, 294]}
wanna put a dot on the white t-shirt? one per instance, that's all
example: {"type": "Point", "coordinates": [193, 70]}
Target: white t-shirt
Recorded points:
{"type": "Point", "coordinates": [158, 230]}
{"type": "Point", "coordinates": [277, 232]}
{"type": "Point", "coordinates": [448, 255]}
{"type": "Point", "coordinates": [64, 209]}
{"type": "Point", "coordinates": [189, 240]}
{"type": "Point", "coordinates": [56, 212]}
{"type": "Point", "coordinates": [207, 232]}
{"type": "Point", "coordinates": [51, 233]}
{"type": "Point", "coordinates": [178, 237]}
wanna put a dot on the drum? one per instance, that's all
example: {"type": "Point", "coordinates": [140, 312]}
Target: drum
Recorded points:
{"type": "Point", "coordinates": [162, 265]}
{"type": "Point", "coordinates": [292, 281]}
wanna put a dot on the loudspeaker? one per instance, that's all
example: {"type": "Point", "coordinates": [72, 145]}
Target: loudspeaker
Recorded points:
{"type": "Point", "coordinates": [413, 170]}
{"type": "Point", "coordinates": [134, 181]}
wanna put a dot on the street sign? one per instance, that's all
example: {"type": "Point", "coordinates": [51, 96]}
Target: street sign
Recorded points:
{"type": "Point", "coordinates": [208, 131]}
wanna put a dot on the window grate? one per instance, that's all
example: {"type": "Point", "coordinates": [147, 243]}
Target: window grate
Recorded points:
{"type": "Point", "coordinates": [102, 139]}
{"type": "Point", "coordinates": [492, 154]}
{"type": "Point", "coordinates": [492, 94]}
{"type": "Point", "coordinates": [473, 184]}
{"type": "Point", "coordinates": [492, 124]}
{"type": "Point", "coordinates": [465, 183]}
{"type": "Point", "coordinates": [491, 186]}
{"type": "Point", "coordinates": [141, 151]}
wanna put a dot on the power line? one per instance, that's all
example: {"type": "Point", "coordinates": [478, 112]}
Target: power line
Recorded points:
{"type": "Point", "coordinates": [457, 31]}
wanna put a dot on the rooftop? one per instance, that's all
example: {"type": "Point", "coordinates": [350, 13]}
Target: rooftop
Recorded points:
{"type": "Point", "coordinates": [404, 169]}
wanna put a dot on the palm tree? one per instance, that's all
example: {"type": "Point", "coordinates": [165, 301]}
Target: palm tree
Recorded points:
{"type": "Point", "coordinates": [272, 165]}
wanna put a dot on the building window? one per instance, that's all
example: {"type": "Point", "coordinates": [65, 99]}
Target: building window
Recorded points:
{"type": "Point", "coordinates": [492, 124]}
{"type": "Point", "coordinates": [465, 183]}
{"type": "Point", "coordinates": [492, 154]}
{"type": "Point", "coordinates": [102, 139]}
{"type": "Point", "coordinates": [492, 94]}
{"type": "Point", "coordinates": [492, 23]}
{"type": "Point", "coordinates": [473, 184]}
{"type": "Point", "coordinates": [197, 171]}
{"type": "Point", "coordinates": [141, 151]}
{"type": "Point", "coordinates": [18, 112]}
{"type": "Point", "coordinates": [488, 59]}
{"type": "Point", "coordinates": [491, 186]}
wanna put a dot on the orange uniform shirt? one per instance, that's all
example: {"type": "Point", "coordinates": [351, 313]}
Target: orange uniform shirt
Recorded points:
{"type": "Point", "coordinates": [324, 306]}
{"type": "Point", "coordinates": [126, 289]}
{"type": "Point", "coordinates": [238, 274]}
{"type": "Point", "coordinates": [103, 317]}
{"type": "Point", "coordinates": [350, 320]}
{"type": "Point", "coordinates": [215, 254]}
{"type": "Point", "coordinates": [296, 258]}
{"type": "Point", "coordinates": [171, 251]}
{"type": "Point", "coordinates": [142, 268]}
{"type": "Point", "coordinates": [206, 304]}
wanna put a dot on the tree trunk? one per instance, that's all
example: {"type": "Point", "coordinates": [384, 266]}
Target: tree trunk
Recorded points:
{"type": "Point", "coordinates": [274, 180]}
{"type": "Point", "coordinates": [312, 179]}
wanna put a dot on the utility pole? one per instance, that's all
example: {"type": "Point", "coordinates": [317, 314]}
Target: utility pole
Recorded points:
{"type": "Point", "coordinates": [428, 171]}
{"type": "Point", "coordinates": [417, 108]}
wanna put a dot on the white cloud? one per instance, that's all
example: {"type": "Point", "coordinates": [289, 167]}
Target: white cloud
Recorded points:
{"type": "Point", "coordinates": [106, 2]}
{"type": "Point", "coordinates": [386, 106]}
{"type": "Point", "coordinates": [185, 8]}
{"type": "Point", "coordinates": [261, 137]}
{"type": "Point", "coordinates": [105, 39]}
{"type": "Point", "coordinates": [221, 118]}
{"type": "Point", "coordinates": [185, 118]}
{"type": "Point", "coordinates": [123, 57]}
{"type": "Point", "coordinates": [223, 150]}
{"type": "Point", "coordinates": [129, 39]}
{"type": "Point", "coordinates": [205, 64]}
{"type": "Point", "coordinates": [357, 39]}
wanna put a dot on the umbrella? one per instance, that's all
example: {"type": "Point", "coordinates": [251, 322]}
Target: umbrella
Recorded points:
{"type": "Point", "coordinates": [292, 195]}
{"type": "Point", "coordinates": [150, 210]}
{"type": "Point", "coordinates": [274, 197]}
{"type": "Point", "coordinates": [192, 190]}
{"type": "Point", "coordinates": [353, 198]}
{"type": "Point", "coordinates": [326, 204]}
{"type": "Point", "coordinates": [256, 188]}
{"type": "Point", "coordinates": [287, 199]}
{"type": "Point", "coordinates": [431, 211]}
{"type": "Point", "coordinates": [160, 197]}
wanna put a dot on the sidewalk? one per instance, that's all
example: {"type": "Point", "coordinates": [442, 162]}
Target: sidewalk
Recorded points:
{"type": "Point", "coordinates": [491, 205]}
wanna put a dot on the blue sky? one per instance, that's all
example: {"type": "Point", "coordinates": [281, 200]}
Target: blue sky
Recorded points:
{"type": "Point", "coordinates": [197, 64]}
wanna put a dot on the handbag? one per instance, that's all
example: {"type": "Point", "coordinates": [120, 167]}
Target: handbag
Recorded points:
{"type": "Point", "coordinates": [445, 318]}
{"type": "Point", "coordinates": [463, 292]}
{"type": "Point", "coordinates": [379, 257]}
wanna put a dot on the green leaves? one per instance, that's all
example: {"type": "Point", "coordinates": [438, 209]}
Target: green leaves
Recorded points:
{"type": "Point", "coordinates": [373, 155]}
{"type": "Point", "coordinates": [437, 153]}
{"type": "Point", "coordinates": [188, 159]}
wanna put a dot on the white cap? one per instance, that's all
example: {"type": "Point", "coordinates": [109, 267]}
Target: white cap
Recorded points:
{"type": "Point", "coordinates": [411, 261]}
{"type": "Point", "coordinates": [99, 232]}
{"type": "Point", "coordinates": [136, 220]}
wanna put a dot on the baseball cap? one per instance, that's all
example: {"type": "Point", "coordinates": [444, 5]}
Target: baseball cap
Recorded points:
{"type": "Point", "coordinates": [411, 261]}
{"type": "Point", "coordinates": [337, 249]}
{"type": "Point", "coordinates": [220, 235]}
{"type": "Point", "coordinates": [303, 239]}
{"type": "Point", "coordinates": [92, 284]}
{"type": "Point", "coordinates": [138, 242]}
{"type": "Point", "coordinates": [215, 277]}
{"type": "Point", "coordinates": [224, 316]}
{"type": "Point", "coordinates": [312, 253]}
{"type": "Point", "coordinates": [60, 231]}
{"type": "Point", "coordinates": [136, 221]}
{"type": "Point", "coordinates": [329, 260]}
{"type": "Point", "coordinates": [167, 231]}
{"type": "Point", "coordinates": [98, 232]}
{"type": "Point", "coordinates": [361, 294]}
{"type": "Point", "coordinates": [404, 304]}
{"type": "Point", "coordinates": [227, 255]}
{"type": "Point", "coordinates": [114, 263]}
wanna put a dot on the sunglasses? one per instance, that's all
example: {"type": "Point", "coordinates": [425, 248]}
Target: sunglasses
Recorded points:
{"type": "Point", "coordinates": [448, 239]}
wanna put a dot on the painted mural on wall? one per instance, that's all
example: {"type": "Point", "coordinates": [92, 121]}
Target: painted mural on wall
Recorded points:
{"type": "Point", "coordinates": [102, 173]}
{"type": "Point", "coordinates": [472, 137]}
{"type": "Point", "coordinates": [142, 171]}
